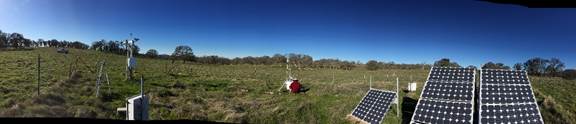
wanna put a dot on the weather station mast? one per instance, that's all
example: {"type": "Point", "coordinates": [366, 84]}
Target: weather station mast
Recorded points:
{"type": "Point", "coordinates": [131, 61]}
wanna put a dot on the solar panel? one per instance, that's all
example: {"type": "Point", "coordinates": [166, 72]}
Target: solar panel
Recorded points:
{"type": "Point", "coordinates": [447, 97]}
{"type": "Point", "coordinates": [374, 106]}
{"type": "Point", "coordinates": [506, 97]}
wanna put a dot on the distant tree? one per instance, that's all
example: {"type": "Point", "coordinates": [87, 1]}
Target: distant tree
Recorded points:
{"type": "Point", "coordinates": [40, 42]}
{"type": "Point", "coordinates": [306, 60]}
{"type": "Point", "coordinates": [536, 66]}
{"type": "Point", "coordinates": [372, 65]}
{"type": "Point", "coordinates": [347, 65]}
{"type": "Point", "coordinates": [135, 50]}
{"type": "Point", "coordinates": [569, 74]}
{"type": "Point", "coordinates": [237, 60]}
{"type": "Point", "coordinates": [266, 60]}
{"type": "Point", "coordinates": [213, 59]}
{"type": "Point", "coordinates": [278, 59]}
{"type": "Point", "coordinates": [114, 47]}
{"type": "Point", "coordinates": [491, 65]}
{"type": "Point", "coordinates": [98, 45]}
{"type": "Point", "coordinates": [78, 45]}
{"type": "Point", "coordinates": [518, 66]}
{"type": "Point", "coordinates": [184, 53]}
{"type": "Point", "coordinates": [26, 43]}
{"type": "Point", "coordinates": [53, 43]}
{"type": "Point", "coordinates": [16, 40]}
{"type": "Point", "coordinates": [554, 67]}
{"type": "Point", "coordinates": [34, 44]}
{"type": "Point", "coordinates": [3, 40]}
{"type": "Point", "coordinates": [152, 53]}
{"type": "Point", "coordinates": [64, 44]}
{"type": "Point", "coordinates": [249, 60]}
{"type": "Point", "coordinates": [294, 59]}
{"type": "Point", "coordinates": [445, 62]}
{"type": "Point", "coordinates": [300, 60]}
{"type": "Point", "coordinates": [164, 56]}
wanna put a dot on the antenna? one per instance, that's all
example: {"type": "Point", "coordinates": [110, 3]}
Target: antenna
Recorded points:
{"type": "Point", "coordinates": [129, 44]}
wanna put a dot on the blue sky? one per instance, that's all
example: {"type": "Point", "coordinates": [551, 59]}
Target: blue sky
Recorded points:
{"type": "Point", "coordinates": [404, 31]}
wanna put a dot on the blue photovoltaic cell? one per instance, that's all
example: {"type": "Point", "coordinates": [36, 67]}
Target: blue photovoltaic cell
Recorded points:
{"type": "Point", "coordinates": [374, 106]}
{"type": "Point", "coordinates": [506, 97]}
{"type": "Point", "coordinates": [447, 97]}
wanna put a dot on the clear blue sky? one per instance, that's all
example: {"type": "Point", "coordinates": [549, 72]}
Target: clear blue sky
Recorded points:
{"type": "Point", "coordinates": [469, 32]}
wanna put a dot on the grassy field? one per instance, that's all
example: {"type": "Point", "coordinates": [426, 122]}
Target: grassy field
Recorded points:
{"type": "Point", "coordinates": [223, 93]}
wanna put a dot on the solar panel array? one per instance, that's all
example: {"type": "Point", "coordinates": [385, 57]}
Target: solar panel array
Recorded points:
{"type": "Point", "coordinates": [447, 97]}
{"type": "Point", "coordinates": [506, 97]}
{"type": "Point", "coordinates": [374, 106]}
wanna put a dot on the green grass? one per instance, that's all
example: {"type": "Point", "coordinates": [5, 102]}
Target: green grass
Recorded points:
{"type": "Point", "coordinates": [224, 93]}
{"type": "Point", "coordinates": [557, 99]}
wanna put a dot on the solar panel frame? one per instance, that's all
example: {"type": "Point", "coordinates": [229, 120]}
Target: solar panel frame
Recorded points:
{"type": "Point", "coordinates": [395, 95]}
{"type": "Point", "coordinates": [471, 101]}
{"type": "Point", "coordinates": [481, 103]}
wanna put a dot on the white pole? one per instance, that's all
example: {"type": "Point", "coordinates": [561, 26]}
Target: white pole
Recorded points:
{"type": "Point", "coordinates": [332, 77]}
{"type": "Point", "coordinates": [142, 86]}
{"type": "Point", "coordinates": [397, 98]}
{"type": "Point", "coordinates": [99, 79]}
{"type": "Point", "coordinates": [142, 98]}
{"type": "Point", "coordinates": [370, 81]}
{"type": "Point", "coordinates": [108, 81]}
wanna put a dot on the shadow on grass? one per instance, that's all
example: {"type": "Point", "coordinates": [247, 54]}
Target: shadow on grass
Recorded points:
{"type": "Point", "coordinates": [408, 107]}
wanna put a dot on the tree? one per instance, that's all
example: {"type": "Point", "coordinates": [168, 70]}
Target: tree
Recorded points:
{"type": "Point", "coordinates": [306, 60]}
{"type": "Point", "coordinates": [53, 43]}
{"type": "Point", "coordinates": [555, 67]}
{"type": "Point", "coordinates": [213, 59]}
{"type": "Point", "coordinates": [491, 65]}
{"type": "Point", "coordinates": [98, 45]}
{"type": "Point", "coordinates": [41, 42]}
{"type": "Point", "coordinates": [536, 66]}
{"type": "Point", "coordinates": [3, 40]}
{"type": "Point", "coordinates": [135, 50]}
{"type": "Point", "coordinates": [15, 40]}
{"type": "Point", "coordinates": [278, 59]}
{"type": "Point", "coordinates": [114, 47]}
{"type": "Point", "coordinates": [184, 53]}
{"type": "Point", "coordinates": [163, 56]}
{"type": "Point", "coordinates": [152, 53]}
{"type": "Point", "coordinates": [569, 74]}
{"type": "Point", "coordinates": [518, 66]}
{"type": "Point", "coordinates": [372, 65]}
{"type": "Point", "coordinates": [26, 43]}
{"type": "Point", "coordinates": [78, 45]}
{"type": "Point", "coordinates": [445, 62]}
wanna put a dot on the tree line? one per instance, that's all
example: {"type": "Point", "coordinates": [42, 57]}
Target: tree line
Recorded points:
{"type": "Point", "coordinates": [376, 65]}
{"type": "Point", "coordinates": [537, 66]}
{"type": "Point", "coordinates": [114, 46]}
{"type": "Point", "coordinates": [185, 54]}
{"type": "Point", "coordinates": [18, 41]}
